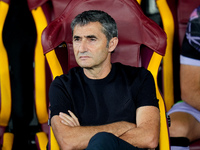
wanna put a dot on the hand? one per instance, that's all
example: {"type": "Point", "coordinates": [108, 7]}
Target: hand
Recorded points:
{"type": "Point", "coordinates": [71, 120]}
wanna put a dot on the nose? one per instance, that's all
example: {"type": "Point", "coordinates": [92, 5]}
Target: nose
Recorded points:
{"type": "Point", "coordinates": [83, 46]}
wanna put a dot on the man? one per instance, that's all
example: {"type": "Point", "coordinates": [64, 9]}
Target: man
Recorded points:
{"type": "Point", "coordinates": [185, 115]}
{"type": "Point", "coordinates": [101, 105]}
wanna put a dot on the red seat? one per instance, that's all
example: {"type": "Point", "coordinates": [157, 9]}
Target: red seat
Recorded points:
{"type": "Point", "coordinates": [141, 43]}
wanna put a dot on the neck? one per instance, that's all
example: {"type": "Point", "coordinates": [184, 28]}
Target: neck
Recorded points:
{"type": "Point", "coordinates": [98, 73]}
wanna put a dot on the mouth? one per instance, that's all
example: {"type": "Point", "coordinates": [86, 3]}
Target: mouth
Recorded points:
{"type": "Point", "coordinates": [84, 57]}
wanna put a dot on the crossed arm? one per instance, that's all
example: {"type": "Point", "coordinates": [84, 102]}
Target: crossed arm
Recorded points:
{"type": "Point", "coordinates": [70, 135]}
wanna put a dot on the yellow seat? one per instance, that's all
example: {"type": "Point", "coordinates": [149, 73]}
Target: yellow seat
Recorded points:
{"type": "Point", "coordinates": [5, 88]}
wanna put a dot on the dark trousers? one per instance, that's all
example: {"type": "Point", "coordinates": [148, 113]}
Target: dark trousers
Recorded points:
{"type": "Point", "coordinates": [108, 141]}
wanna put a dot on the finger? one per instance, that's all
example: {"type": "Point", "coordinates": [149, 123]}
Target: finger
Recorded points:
{"type": "Point", "coordinates": [67, 119]}
{"type": "Point", "coordinates": [74, 117]}
{"type": "Point", "coordinates": [67, 123]}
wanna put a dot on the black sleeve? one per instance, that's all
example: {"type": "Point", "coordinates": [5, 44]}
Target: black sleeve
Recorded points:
{"type": "Point", "coordinates": [59, 98]}
{"type": "Point", "coordinates": [146, 91]}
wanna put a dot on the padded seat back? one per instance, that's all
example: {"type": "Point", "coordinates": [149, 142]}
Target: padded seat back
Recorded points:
{"type": "Point", "coordinates": [131, 37]}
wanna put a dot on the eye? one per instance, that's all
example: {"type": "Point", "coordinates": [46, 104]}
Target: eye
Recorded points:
{"type": "Point", "coordinates": [76, 38]}
{"type": "Point", "coordinates": [93, 39]}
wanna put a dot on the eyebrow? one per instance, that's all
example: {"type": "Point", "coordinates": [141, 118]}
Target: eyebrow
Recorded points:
{"type": "Point", "coordinates": [76, 37]}
{"type": "Point", "coordinates": [88, 36]}
{"type": "Point", "coordinates": [91, 36]}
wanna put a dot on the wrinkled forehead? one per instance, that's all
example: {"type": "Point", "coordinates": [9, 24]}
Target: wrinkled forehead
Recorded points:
{"type": "Point", "coordinates": [88, 29]}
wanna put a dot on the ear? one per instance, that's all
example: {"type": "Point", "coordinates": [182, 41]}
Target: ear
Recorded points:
{"type": "Point", "coordinates": [113, 44]}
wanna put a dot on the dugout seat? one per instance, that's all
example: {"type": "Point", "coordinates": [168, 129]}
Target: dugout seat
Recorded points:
{"type": "Point", "coordinates": [43, 12]}
{"type": "Point", "coordinates": [6, 138]}
{"type": "Point", "coordinates": [141, 43]}
{"type": "Point", "coordinates": [181, 10]}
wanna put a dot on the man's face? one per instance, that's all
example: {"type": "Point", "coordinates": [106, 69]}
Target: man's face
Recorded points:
{"type": "Point", "coordinates": [90, 45]}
